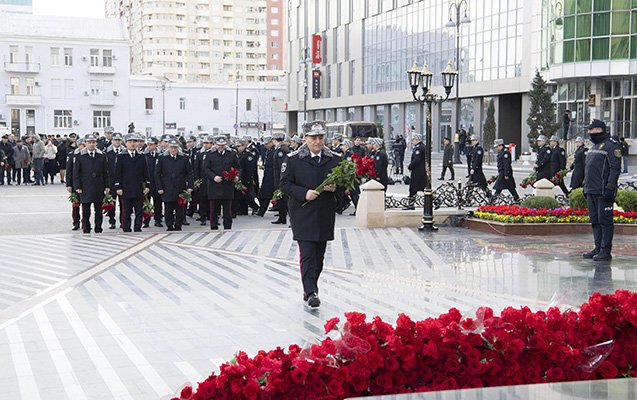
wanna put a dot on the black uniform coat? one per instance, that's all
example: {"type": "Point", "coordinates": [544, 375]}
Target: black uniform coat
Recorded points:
{"type": "Point", "coordinates": [110, 156]}
{"type": "Point", "coordinates": [173, 175]}
{"type": "Point", "coordinates": [447, 157]}
{"type": "Point", "coordinates": [252, 149]}
{"type": "Point", "coordinates": [381, 162]}
{"type": "Point", "coordinates": [280, 155]}
{"type": "Point", "coordinates": [131, 175]}
{"type": "Point", "coordinates": [151, 162]}
{"type": "Point", "coordinates": [103, 144]}
{"type": "Point", "coordinates": [558, 160]}
{"type": "Point", "coordinates": [248, 164]}
{"type": "Point", "coordinates": [315, 221]}
{"type": "Point", "coordinates": [267, 184]}
{"type": "Point", "coordinates": [417, 168]}
{"type": "Point", "coordinates": [476, 165]}
{"type": "Point", "coordinates": [504, 170]}
{"type": "Point", "coordinates": [213, 165]}
{"type": "Point", "coordinates": [197, 168]}
{"type": "Point", "coordinates": [543, 163]}
{"type": "Point", "coordinates": [603, 166]}
{"type": "Point", "coordinates": [70, 161]}
{"type": "Point", "coordinates": [90, 174]}
{"type": "Point", "coordinates": [577, 179]}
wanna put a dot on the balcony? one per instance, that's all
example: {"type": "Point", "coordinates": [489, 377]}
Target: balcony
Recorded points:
{"type": "Point", "coordinates": [102, 101]}
{"type": "Point", "coordinates": [101, 70]}
{"type": "Point", "coordinates": [31, 68]}
{"type": "Point", "coordinates": [23, 100]}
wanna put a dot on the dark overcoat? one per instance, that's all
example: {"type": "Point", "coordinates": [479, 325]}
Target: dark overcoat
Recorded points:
{"type": "Point", "coordinates": [417, 168]}
{"type": "Point", "coordinates": [447, 157]}
{"type": "Point", "coordinates": [131, 175]}
{"type": "Point", "coordinates": [543, 163]}
{"type": "Point", "coordinates": [151, 162]}
{"type": "Point", "coordinates": [267, 184]}
{"type": "Point", "coordinates": [213, 165]}
{"type": "Point", "coordinates": [280, 156]}
{"type": "Point", "coordinates": [248, 164]}
{"type": "Point", "coordinates": [504, 170]}
{"type": "Point", "coordinates": [90, 174]}
{"type": "Point", "coordinates": [558, 160]}
{"type": "Point", "coordinates": [577, 179]}
{"type": "Point", "coordinates": [381, 163]}
{"type": "Point", "coordinates": [111, 154]}
{"type": "Point", "coordinates": [476, 165]}
{"type": "Point", "coordinates": [173, 175]}
{"type": "Point", "coordinates": [200, 156]}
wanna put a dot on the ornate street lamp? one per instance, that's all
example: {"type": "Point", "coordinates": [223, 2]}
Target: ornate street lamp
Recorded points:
{"type": "Point", "coordinates": [422, 78]}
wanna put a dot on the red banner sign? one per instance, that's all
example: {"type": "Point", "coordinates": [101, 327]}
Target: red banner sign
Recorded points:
{"type": "Point", "coordinates": [316, 49]}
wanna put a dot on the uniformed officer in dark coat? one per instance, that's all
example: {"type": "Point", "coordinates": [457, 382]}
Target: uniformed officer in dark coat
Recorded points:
{"type": "Point", "coordinates": [558, 161]}
{"type": "Point", "coordinates": [281, 151]}
{"type": "Point", "coordinates": [132, 183]}
{"type": "Point", "coordinates": [398, 149]}
{"type": "Point", "coordinates": [248, 164]}
{"type": "Point", "coordinates": [220, 191]}
{"type": "Point", "coordinates": [204, 201]}
{"type": "Point", "coordinates": [447, 160]}
{"type": "Point", "coordinates": [173, 175]}
{"type": "Point", "coordinates": [91, 182]}
{"type": "Point", "coordinates": [267, 183]}
{"type": "Point", "coordinates": [476, 173]}
{"type": "Point", "coordinates": [104, 142]}
{"type": "Point", "coordinates": [468, 152]}
{"type": "Point", "coordinates": [601, 172]}
{"type": "Point", "coordinates": [418, 178]}
{"type": "Point", "coordinates": [190, 151]}
{"type": "Point", "coordinates": [112, 151]}
{"type": "Point", "coordinates": [252, 148]}
{"type": "Point", "coordinates": [152, 154]}
{"type": "Point", "coordinates": [577, 178]}
{"type": "Point", "coordinates": [70, 162]}
{"type": "Point", "coordinates": [312, 223]}
{"type": "Point", "coordinates": [505, 172]}
{"type": "Point", "coordinates": [381, 161]}
{"type": "Point", "coordinates": [543, 161]}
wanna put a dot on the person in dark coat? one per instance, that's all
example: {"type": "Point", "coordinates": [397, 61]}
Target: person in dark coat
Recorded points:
{"type": "Point", "coordinates": [248, 165]}
{"type": "Point", "coordinates": [462, 140]}
{"type": "Point", "coordinates": [624, 147]}
{"type": "Point", "coordinates": [281, 151]}
{"type": "Point", "coordinates": [204, 201]}
{"type": "Point", "coordinates": [112, 151]}
{"type": "Point", "coordinates": [468, 152]}
{"type": "Point", "coordinates": [104, 142]}
{"type": "Point", "coordinates": [61, 158]}
{"type": "Point", "coordinates": [220, 190]}
{"type": "Point", "coordinates": [253, 149]}
{"type": "Point", "coordinates": [132, 183]}
{"type": "Point", "coordinates": [381, 161]}
{"type": "Point", "coordinates": [173, 175]}
{"type": "Point", "coordinates": [476, 173]}
{"type": "Point", "coordinates": [505, 172]}
{"type": "Point", "coordinates": [91, 182]}
{"type": "Point", "coordinates": [417, 167]}
{"type": "Point", "coordinates": [68, 178]}
{"type": "Point", "coordinates": [558, 161]}
{"type": "Point", "coordinates": [152, 155]}
{"type": "Point", "coordinates": [312, 223]}
{"type": "Point", "coordinates": [267, 183]}
{"type": "Point", "coordinates": [190, 151]}
{"type": "Point", "coordinates": [543, 161]}
{"type": "Point", "coordinates": [398, 150]}
{"type": "Point", "coordinates": [447, 160]}
{"type": "Point", "coordinates": [7, 150]}
{"type": "Point", "coordinates": [577, 178]}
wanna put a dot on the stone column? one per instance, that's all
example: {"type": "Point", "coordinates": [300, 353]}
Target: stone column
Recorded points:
{"type": "Point", "coordinates": [370, 212]}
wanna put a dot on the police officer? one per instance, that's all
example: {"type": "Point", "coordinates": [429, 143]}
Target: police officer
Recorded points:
{"type": "Point", "coordinates": [173, 175]}
{"type": "Point", "coordinates": [220, 191]}
{"type": "Point", "coordinates": [248, 164]}
{"type": "Point", "coordinates": [543, 161]}
{"type": "Point", "coordinates": [112, 151]}
{"type": "Point", "coordinates": [398, 149]}
{"type": "Point", "coordinates": [281, 151]}
{"type": "Point", "coordinates": [152, 155]}
{"type": "Point", "coordinates": [558, 161]}
{"type": "Point", "coordinates": [468, 152]}
{"type": "Point", "coordinates": [601, 172]}
{"type": "Point", "coordinates": [312, 223]}
{"type": "Point", "coordinates": [417, 167]}
{"type": "Point", "coordinates": [104, 142]}
{"type": "Point", "coordinates": [476, 173]}
{"type": "Point", "coordinates": [381, 161]}
{"type": "Point", "coordinates": [132, 183]}
{"type": "Point", "coordinates": [70, 161]}
{"type": "Point", "coordinates": [577, 179]}
{"type": "Point", "coordinates": [204, 201]}
{"type": "Point", "coordinates": [447, 160]}
{"type": "Point", "coordinates": [505, 172]}
{"type": "Point", "coordinates": [91, 182]}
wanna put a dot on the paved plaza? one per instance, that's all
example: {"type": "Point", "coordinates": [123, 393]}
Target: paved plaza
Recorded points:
{"type": "Point", "coordinates": [135, 316]}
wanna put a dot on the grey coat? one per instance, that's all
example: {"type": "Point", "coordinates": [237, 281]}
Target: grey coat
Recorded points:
{"type": "Point", "coordinates": [21, 157]}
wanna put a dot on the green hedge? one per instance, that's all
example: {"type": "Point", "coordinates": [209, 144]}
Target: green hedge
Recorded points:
{"type": "Point", "coordinates": [540, 202]}
{"type": "Point", "coordinates": [576, 199]}
{"type": "Point", "coordinates": [627, 200]}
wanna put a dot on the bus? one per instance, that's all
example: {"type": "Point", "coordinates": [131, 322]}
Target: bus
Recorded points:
{"type": "Point", "coordinates": [351, 129]}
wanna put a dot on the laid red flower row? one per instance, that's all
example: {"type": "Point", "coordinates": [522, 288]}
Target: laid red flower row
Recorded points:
{"type": "Point", "coordinates": [516, 210]}
{"type": "Point", "coordinates": [448, 352]}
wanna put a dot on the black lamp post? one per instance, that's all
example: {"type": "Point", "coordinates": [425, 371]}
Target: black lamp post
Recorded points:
{"type": "Point", "coordinates": [422, 78]}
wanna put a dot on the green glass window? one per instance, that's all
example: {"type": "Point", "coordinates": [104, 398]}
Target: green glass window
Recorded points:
{"type": "Point", "coordinates": [569, 7]}
{"type": "Point", "coordinates": [600, 49]}
{"type": "Point", "coordinates": [634, 3]}
{"type": "Point", "coordinates": [601, 24]}
{"type": "Point", "coordinates": [584, 25]}
{"type": "Point", "coordinates": [583, 50]}
{"type": "Point", "coordinates": [569, 51]}
{"type": "Point", "coordinates": [558, 52]}
{"type": "Point", "coordinates": [620, 23]}
{"type": "Point", "coordinates": [584, 6]}
{"type": "Point", "coordinates": [569, 27]}
{"type": "Point", "coordinates": [602, 5]}
{"type": "Point", "coordinates": [633, 26]}
{"type": "Point", "coordinates": [633, 46]}
{"type": "Point", "coordinates": [621, 4]}
{"type": "Point", "coordinates": [619, 48]}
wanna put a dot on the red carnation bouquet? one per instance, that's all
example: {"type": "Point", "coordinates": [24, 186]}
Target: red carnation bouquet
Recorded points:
{"type": "Point", "coordinates": [365, 167]}
{"type": "Point", "coordinates": [559, 177]}
{"type": "Point", "coordinates": [231, 175]}
{"type": "Point", "coordinates": [276, 196]}
{"type": "Point", "coordinates": [74, 199]}
{"type": "Point", "coordinates": [492, 179]}
{"type": "Point", "coordinates": [529, 180]}
{"type": "Point", "coordinates": [184, 198]}
{"type": "Point", "coordinates": [108, 203]}
{"type": "Point", "coordinates": [149, 210]}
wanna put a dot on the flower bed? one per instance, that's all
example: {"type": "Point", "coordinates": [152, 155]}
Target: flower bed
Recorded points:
{"type": "Point", "coordinates": [598, 341]}
{"type": "Point", "coordinates": [518, 214]}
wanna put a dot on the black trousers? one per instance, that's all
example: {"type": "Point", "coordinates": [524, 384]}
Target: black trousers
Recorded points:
{"type": "Point", "coordinates": [312, 255]}
{"type": "Point", "coordinates": [192, 206]}
{"type": "Point", "coordinates": [175, 214]}
{"type": "Point", "coordinates": [600, 210]}
{"type": "Point", "coordinates": [19, 174]}
{"type": "Point", "coordinates": [215, 208]}
{"type": "Point", "coordinates": [444, 171]}
{"type": "Point", "coordinates": [513, 192]}
{"type": "Point", "coordinates": [158, 213]}
{"type": "Point", "coordinates": [204, 206]}
{"type": "Point", "coordinates": [264, 204]}
{"type": "Point", "coordinates": [118, 204]}
{"type": "Point", "coordinates": [86, 217]}
{"type": "Point", "coordinates": [129, 206]}
{"type": "Point", "coordinates": [283, 209]}
{"type": "Point", "coordinates": [75, 215]}
{"type": "Point", "coordinates": [400, 160]}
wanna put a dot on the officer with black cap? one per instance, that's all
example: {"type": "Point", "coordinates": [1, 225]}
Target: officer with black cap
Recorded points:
{"type": "Point", "coordinates": [91, 182]}
{"type": "Point", "coordinates": [601, 173]}
{"type": "Point", "coordinates": [112, 151]}
{"type": "Point", "coordinates": [173, 175]}
{"type": "Point", "coordinates": [505, 172]}
{"type": "Point", "coordinates": [132, 183]}
{"type": "Point", "coordinates": [202, 191]}
{"type": "Point", "coordinates": [152, 155]}
{"type": "Point", "coordinates": [543, 161]}
{"type": "Point", "coordinates": [70, 162]}
{"type": "Point", "coordinates": [267, 183]}
{"type": "Point", "coordinates": [248, 164]}
{"type": "Point", "coordinates": [281, 151]}
{"type": "Point", "coordinates": [220, 190]}
{"type": "Point", "coordinates": [418, 178]}
{"type": "Point", "coordinates": [558, 160]}
{"type": "Point", "coordinates": [476, 173]}
{"type": "Point", "coordinates": [104, 142]}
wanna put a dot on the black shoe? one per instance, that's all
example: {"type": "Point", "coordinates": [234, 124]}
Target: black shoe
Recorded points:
{"type": "Point", "coordinates": [313, 301]}
{"type": "Point", "coordinates": [467, 176]}
{"type": "Point", "coordinates": [214, 227]}
{"type": "Point", "coordinates": [170, 229]}
{"type": "Point", "coordinates": [278, 222]}
{"type": "Point", "coordinates": [185, 223]}
{"type": "Point", "coordinates": [98, 230]}
{"type": "Point", "coordinates": [203, 222]}
{"type": "Point", "coordinates": [452, 179]}
{"type": "Point", "coordinates": [159, 224]}
{"type": "Point", "coordinates": [86, 231]}
{"type": "Point", "coordinates": [352, 214]}
{"type": "Point", "coordinates": [76, 228]}
{"type": "Point", "coordinates": [127, 230]}
{"type": "Point", "coordinates": [258, 215]}
{"type": "Point", "coordinates": [441, 179]}
{"type": "Point", "coordinates": [603, 256]}
{"type": "Point", "coordinates": [178, 228]}
{"type": "Point", "coordinates": [138, 229]}
{"type": "Point", "coordinates": [227, 228]}
{"type": "Point", "coordinates": [146, 225]}
{"type": "Point", "coordinates": [111, 226]}
{"type": "Point", "coordinates": [590, 254]}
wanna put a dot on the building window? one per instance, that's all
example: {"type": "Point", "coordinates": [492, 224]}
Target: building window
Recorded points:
{"type": "Point", "coordinates": [182, 103]}
{"type": "Point", "coordinates": [274, 33]}
{"type": "Point", "coordinates": [62, 118]}
{"type": "Point", "coordinates": [55, 56]}
{"type": "Point", "coordinates": [15, 85]}
{"type": "Point", "coordinates": [248, 104]}
{"type": "Point", "coordinates": [215, 104]}
{"type": "Point", "coordinates": [56, 88]}
{"type": "Point", "coordinates": [13, 54]}
{"type": "Point", "coordinates": [101, 119]}
{"type": "Point", "coordinates": [107, 58]}
{"type": "Point", "coordinates": [95, 57]}
{"type": "Point", "coordinates": [148, 103]}
{"type": "Point", "coordinates": [275, 44]}
{"type": "Point", "coordinates": [95, 88]}
{"type": "Point", "coordinates": [68, 57]}
{"type": "Point", "coordinates": [69, 89]}
{"type": "Point", "coordinates": [30, 85]}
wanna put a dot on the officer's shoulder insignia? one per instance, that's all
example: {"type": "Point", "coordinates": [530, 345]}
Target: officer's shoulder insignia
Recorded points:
{"type": "Point", "coordinates": [563, 153]}
{"type": "Point", "coordinates": [618, 153]}
{"type": "Point", "coordinates": [479, 152]}
{"type": "Point", "coordinates": [417, 152]}
{"type": "Point", "coordinates": [613, 140]}
{"type": "Point", "coordinates": [548, 151]}
{"type": "Point", "coordinates": [280, 154]}
{"type": "Point", "coordinates": [249, 158]}
{"type": "Point", "coordinates": [284, 167]}
{"type": "Point", "coordinates": [377, 157]}
{"type": "Point", "coordinates": [506, 155]}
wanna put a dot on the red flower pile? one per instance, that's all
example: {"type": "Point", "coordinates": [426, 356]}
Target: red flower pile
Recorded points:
{"type": "Point", "coordinates": [365, 166]}
{"type": "Point", "coordinates": [108, 204]}
{"type": "Point", "coordinates": [230, 175]}
{"type": "Point", "coordinates": [448, 352]}
{"type": "Point", "coordinates": [515, 210]}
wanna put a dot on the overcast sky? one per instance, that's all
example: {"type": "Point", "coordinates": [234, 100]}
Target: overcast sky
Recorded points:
{"type": "Point", "coordinates": [70, 8]}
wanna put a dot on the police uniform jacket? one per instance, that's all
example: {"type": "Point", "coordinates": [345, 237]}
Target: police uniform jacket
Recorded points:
{"type": "Point", "coordinates": [300, 173]}
{"type": "Point", "coordinates": [131, 175]}
{"type": "Point", "coordinates": [543, 163]}
{"type": "Point", "coordinates": [70, 161]}
{"type": "Point", "coordinates": [90, 174]}
{"type": "Point", "coordinates": [213, 165]}
{"type": "Point", "coordinates": [602, 169]}
{"type": "Point", "coordinates": [417, 168]}
{"type": "Point", "coordinates": [577, 179]}
{"type": "Point", "coordinates": [267, 184]}
{"type": "Point", "coordinates": [380, 167]}
{"type": "Point", "coordinates": [200, 156]}
{"type": "Point", "coordinates": [476, 166]}
{"type": "Point", "coordinates": [111, 154]}
{"type": "Point", "coordinates": [103, 144]}
{"type": "Point", "coordinates": [558, 160]}
{"type": "Point", "coordinates": [252, 149]}
{"type": "Point", "coordinates": [173, 175]}
{"type": "Point", "coordinates": [504, 170]}
{"type": "Point", "coordinates": [248, 163]}
{"type": "Point", "coordinates": [151, 162]}
{"type": "Point", "coordinates": [447, 157]}
{"type": "Point", "coordinates": [280, 155]}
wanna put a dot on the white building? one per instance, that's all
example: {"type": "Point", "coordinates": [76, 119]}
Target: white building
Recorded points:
{"type": "Point", "coordinates": [63, 74]}
{"type": "Point", "coordinates": [17, 6]}
{"type": "Point", "coordinates": [158, 106]}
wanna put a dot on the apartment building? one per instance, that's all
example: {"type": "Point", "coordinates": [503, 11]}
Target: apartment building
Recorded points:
{"type": "Point", "coordinates": [17, 6]}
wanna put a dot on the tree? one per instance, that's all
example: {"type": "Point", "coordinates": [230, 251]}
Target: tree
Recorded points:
{"type": "Point", "coordinates": [541, 112]}
{"type": "Point", "coordinates": [489, 125]}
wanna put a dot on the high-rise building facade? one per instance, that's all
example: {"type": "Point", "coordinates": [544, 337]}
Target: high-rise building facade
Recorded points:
{"type": "Point", "coordinates": [17, 6]}
{"type": "Point", "coordinates": [204, 40]}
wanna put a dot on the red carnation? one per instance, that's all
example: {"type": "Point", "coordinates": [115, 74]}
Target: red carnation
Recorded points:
{"type": "Point", "coordinates": [186, 393]}
{"type": "Point", "coordinates": [331, 324]}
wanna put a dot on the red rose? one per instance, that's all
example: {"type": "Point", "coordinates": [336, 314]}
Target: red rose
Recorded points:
{"type": "Point", "coordinates": [331, 324]}
{"type": "Point", "coordinates": [186, 393]}
{"type": "Point", "coordinates": [335, 387]}
{"type": "Point", "coordinates": [607, 370]}
{"type": "Point", "coordinates": [298, 376]}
